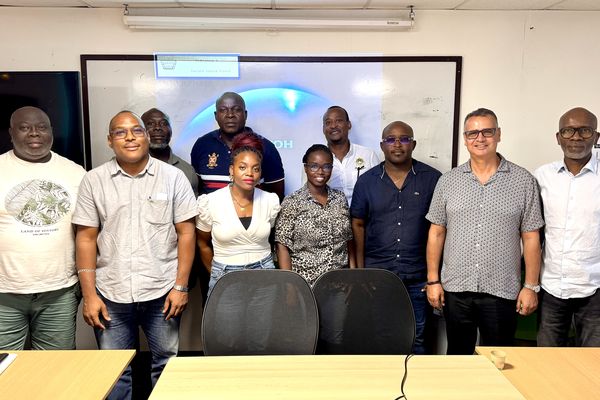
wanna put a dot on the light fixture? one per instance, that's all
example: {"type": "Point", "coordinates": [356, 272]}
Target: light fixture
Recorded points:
{"type": "Point", "coordinates": [265, 19]}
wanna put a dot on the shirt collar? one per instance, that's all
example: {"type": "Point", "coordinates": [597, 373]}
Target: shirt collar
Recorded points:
{"type": "Point", "coordinates": [115, 168]}
{"type": "Point", "coordinates": [502, 167]}
{"type": "Point", "coordinates": [413, 168]}
{"type": "Point", "coordinates": [591, 165]}
{"type": "Point", "coordinates": [305, 194]}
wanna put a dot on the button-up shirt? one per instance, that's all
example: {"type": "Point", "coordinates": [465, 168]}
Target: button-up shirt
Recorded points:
{"type": "Point", "coordinates": [484, 222]}
{"type": "Point", "coordinates": [316, 235]}
{"type": "Point", "coordinates": [395, 225]}
{"type": "Point", "coordinates": [571, 257]}
{"type": "Point", "coordinates": [137, 242]}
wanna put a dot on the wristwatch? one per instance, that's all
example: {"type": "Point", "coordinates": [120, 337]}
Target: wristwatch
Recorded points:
{"type": "Point", "coordinates": [181, 288]}
{"type": "Point", "coordinates": [535, 288]}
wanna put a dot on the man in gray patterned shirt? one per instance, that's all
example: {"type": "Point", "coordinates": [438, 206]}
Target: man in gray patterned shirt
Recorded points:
{"type": "Point", "coordinates": [480, 214]}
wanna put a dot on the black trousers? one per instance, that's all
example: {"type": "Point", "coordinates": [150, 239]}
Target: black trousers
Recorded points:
{"type": "Point", "coordinates": [556, 317]}
{"type": "Point", "coordinates": [466, 312]}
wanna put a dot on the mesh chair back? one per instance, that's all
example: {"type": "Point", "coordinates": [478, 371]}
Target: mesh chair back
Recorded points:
{"type": "Point", "coordinates": [260, 312]}
{"type": "Point", "coordinates": [364, 311]}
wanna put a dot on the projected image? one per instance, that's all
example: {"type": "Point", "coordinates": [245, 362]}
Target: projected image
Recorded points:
{"type": "Point", "coordinates": [285, 101]}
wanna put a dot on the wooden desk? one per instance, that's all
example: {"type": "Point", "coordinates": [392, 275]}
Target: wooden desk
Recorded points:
{"type": "Point", "coordinates": [361, 377]}
{"type": "Point", "coordinates": [56, 374]}
{"type": "Point", "coordinates": [552, 372]}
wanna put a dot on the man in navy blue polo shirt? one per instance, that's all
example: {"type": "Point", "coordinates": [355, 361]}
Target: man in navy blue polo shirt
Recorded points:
{"type": "Point", "coordinates": [211, 153]}
{"type": "Point", "coordinates": [388, 211]}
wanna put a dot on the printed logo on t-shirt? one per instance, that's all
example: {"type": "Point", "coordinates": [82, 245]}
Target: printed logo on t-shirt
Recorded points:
{"type": "Point", "coordinates": [38, 202]}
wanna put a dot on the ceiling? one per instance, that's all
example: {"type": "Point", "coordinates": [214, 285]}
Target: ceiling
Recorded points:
{"type": "Point", "coordinates": [575, 5]}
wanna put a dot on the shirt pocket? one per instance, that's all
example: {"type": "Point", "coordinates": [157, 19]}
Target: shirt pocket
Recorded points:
{"type": "Point", "coordinates": [158, 212]}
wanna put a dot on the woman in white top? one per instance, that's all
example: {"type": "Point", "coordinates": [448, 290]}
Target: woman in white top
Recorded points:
{"type": "Point", "coordinates": [234, 223]}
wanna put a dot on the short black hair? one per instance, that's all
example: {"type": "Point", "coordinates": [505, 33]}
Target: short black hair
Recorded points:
{"type": "Point", "coordinates": [338, 108]}
{"type": "Point", "coordinates": [313, 149]}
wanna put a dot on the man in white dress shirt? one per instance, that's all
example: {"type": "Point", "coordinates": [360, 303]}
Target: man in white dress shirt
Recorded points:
{"type": "Point", "coordinates": [350, 160]}
{"type": "Point", "coordinates": [570, 190]}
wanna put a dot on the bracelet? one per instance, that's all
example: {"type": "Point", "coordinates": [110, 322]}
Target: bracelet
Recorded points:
{"type": "Point", "coordinates": [85, 270]}
{"type": "Point", "coordinates": [433, 283]}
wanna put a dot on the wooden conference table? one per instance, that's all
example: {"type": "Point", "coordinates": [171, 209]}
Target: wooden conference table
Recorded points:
{"type": "Point", "coordinates": [62, 374]}
{"type": "Point", "coordinates": [359, 377]}
{"type": "Point", "coordinates": [552, 372]}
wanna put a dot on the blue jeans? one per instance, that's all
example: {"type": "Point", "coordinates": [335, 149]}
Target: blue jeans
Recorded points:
{"type": "Point", "coordinates": [219, 269]}
{"type": "Point", "coordinates": [48, 317]}
{"type": "Point", "coordinates": [420, 304]}
{"type": "Point", "coordinates": [122, 333]}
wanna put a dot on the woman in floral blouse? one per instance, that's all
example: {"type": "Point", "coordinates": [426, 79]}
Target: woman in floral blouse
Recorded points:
{"type": "Point", "coordinates": [313, 232]}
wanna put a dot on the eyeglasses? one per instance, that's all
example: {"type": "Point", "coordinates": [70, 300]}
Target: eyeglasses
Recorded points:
{"type": "Point", "coordinates": [486, 133]}
{"type": "Point", "coordinates": [392, 140]}
{"type": "Point", "coordinates": [121, 133]}
{"type": "Point", "coordinates": [585, 132]}
{"type": "Point", "coordinates": [313, 167]}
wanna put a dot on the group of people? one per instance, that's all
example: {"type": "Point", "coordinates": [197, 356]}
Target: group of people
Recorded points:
{"type": "Point", "coordinates": [124, 236]}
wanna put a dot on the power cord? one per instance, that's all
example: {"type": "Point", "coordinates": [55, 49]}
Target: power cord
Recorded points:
{"type": "Point", "coordinates": [403, 396]}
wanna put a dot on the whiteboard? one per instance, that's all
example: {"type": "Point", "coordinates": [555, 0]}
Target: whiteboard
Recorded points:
{"type": "Point", "coordinates": [286, 98]}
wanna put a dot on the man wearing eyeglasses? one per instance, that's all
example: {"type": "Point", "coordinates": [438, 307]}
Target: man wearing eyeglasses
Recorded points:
{"type": "Point", "coordinates": [571, 258]}
{"type": "Point", "coordinates": [134, 248]}
{"type": "Point", "coordinates": [388, 210]}
{"type": "Point", "coordinates": [39, 291]}
{"type": "Point", "coordinates": [480, 214]}
{"type": "Point", "coordinates": [158, 126]}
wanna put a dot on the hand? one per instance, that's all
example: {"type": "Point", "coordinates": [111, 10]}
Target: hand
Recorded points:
{"type": "Point", "coordinates": [527, 301]}
{"type": "Point", "coordinates": [175, 303]}
{"type": "Point", "coordinates": [93, 307]}
{"type": "Point", "coordinates": [435, 295]}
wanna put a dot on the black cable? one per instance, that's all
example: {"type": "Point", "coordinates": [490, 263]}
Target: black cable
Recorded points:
{"type": "Point", "coordinates": [403, 396]}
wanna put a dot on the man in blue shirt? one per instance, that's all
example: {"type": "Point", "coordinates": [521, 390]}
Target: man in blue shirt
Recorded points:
{"type": "Point", "coordinates": [388, 211]}
{"type": "Point", "coordinates": [211, 155]}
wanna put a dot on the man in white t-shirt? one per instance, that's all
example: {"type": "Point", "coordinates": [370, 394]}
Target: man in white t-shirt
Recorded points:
{"type": "Point", "coordinates": [350, 160]}
{"type": "Point", "coordinates": [39, 289]}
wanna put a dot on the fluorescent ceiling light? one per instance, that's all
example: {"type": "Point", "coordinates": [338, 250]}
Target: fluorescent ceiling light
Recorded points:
{"type": "Point", "coordinates": [253, 19]}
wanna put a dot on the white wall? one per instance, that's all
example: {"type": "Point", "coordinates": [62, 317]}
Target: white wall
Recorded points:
{"type": "Point", "coordinates": [529, 67]}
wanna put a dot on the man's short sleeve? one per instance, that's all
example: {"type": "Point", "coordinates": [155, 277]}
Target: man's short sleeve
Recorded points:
{"type": "Point", "coordinates": [532, 214]}
{"type": "Point", "coordinates": [437, 208]}
{"type": "Point", "coordinates": [360, 200]}
{"type": "Point", "coordinates": [86, 212]}
{"type": "Point", "coordinates": [185, 201]}
{"type": "Point", "coordinates": [272, 167]}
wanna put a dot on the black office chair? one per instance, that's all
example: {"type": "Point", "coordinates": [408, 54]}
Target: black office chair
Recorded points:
{"type": "Point", "coordinates": [363, 311]}
{"type": "Point", "coordinates": [260, 312]}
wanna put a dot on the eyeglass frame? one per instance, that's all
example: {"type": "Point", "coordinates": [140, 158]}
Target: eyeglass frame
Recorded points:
{"type": "Point", "coordinates": [128, 130]}
{"type": "Point", "coordinates": [314, 167]}
{"type": "Point", "coordinates": [578, 131]}
{"type": "Point", "coordinates": [480, 132]}
{"type": "Point", "coordinates": [388, 140]}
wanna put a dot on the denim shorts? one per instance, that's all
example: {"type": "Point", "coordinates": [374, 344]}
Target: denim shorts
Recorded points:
{"type": "Point", "coordinates": [219, 269]}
